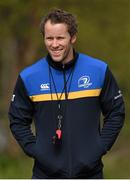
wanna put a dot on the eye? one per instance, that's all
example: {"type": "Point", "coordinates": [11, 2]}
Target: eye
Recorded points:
{"type": "Point", "coordinates": [49, 38]}
{"type": "Point", "coordinates": [60, 38]}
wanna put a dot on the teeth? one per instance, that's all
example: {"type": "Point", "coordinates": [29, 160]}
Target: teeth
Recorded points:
{"type": "Point", "coordinates": [57, 51]}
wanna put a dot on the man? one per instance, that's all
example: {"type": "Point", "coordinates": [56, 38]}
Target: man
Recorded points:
{"type": "Point", "coordinates": [65, 93]}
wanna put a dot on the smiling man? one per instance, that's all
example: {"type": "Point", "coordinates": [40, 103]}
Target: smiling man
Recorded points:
{"type": "Point", "coordinates": [65, 93]}
{"type": "Point", "coordinates": [59, 42]}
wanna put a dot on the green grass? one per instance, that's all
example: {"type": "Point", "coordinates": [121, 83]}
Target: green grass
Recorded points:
{"type": "Point", "coordinates": [117, 163]}
{"type": "Point", "coordinates": [15, 167]}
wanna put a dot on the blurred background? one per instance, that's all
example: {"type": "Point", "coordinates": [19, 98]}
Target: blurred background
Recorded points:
{"type": "Point", "coordinates": [104, 33]}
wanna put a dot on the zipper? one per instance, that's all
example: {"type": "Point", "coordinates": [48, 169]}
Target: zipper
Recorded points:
{"type": "Point", "coordinates": [68, 127]}
{"type": "Point", "coordinates": [69, 150]}
{"type": "Point", "coordinates": [65, 84]}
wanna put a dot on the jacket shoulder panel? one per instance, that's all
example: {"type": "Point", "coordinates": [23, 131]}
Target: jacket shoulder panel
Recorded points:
{"type": "Point", "coordinates": [93, 68]}
{"type": "Point", "coordinates": [91, 61]}
{"type": "Point", "coordinates": [34, 75]}
{"type": "Point", "coordinates": [32, 69]}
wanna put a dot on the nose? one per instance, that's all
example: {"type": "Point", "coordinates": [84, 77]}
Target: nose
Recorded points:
{"type": "Point", "coordinates": [54, 43]}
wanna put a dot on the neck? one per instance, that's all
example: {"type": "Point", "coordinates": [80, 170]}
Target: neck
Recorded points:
{"type": "Point", "coordinates": [71, 56]}
{"type": "Point", "coordinates": [67, 64]}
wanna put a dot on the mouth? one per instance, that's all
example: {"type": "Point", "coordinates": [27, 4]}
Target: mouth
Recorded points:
{"type": "Point", "coordinates": [56, 52]}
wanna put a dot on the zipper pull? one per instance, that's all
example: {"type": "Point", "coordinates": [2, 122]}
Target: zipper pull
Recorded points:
{"type": "Point", "coordinates": [59, 106]}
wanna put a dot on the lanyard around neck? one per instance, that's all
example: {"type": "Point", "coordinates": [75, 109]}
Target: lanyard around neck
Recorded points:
{"type": "Point", "coordinates": [60, 114]}
{"type": "Point", "coordinates": [51, 77]}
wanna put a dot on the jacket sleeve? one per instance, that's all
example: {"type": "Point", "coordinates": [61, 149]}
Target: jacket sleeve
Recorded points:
{"type": "Point", "coordinates": [113, 110]}
{"type": "Point", "coordinates": [20, 116]}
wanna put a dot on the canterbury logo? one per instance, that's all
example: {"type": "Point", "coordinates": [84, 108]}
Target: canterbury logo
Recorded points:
{"type": "Point", "coordinates": [44, 87]}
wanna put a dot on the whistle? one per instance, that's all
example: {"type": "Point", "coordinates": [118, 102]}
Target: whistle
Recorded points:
{"type": "Point", "coordinates": [58, 133]}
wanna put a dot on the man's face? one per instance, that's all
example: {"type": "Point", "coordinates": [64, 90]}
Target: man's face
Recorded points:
{"type": "Point", "coordinates": [58, 41]}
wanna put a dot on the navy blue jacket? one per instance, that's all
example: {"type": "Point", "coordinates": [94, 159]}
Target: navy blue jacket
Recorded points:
{"type": "Point", "coordinates": [88, 89]}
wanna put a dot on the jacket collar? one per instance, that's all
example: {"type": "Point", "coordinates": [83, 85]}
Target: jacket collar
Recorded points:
{"type": "Point", "coordinates": [59, 65]}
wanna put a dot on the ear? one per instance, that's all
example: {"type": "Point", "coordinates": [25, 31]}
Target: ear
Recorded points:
{"type": "Point", "coordinates": [73, 39]}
